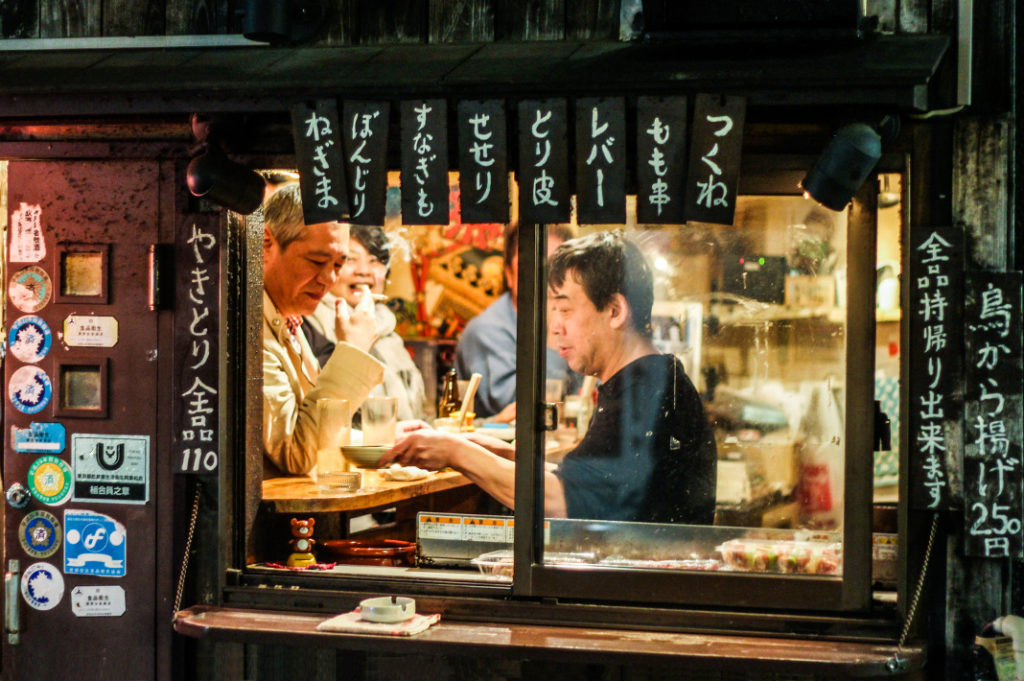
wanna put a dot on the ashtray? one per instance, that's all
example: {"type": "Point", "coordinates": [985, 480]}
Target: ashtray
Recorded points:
{"type": "Point", "coordinates": [387, 609]}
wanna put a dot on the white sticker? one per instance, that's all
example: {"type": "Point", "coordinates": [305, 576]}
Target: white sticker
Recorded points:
{"type": "Point", "coordinates": [110, 468]}
{"type": "Point", "coordinates": [439, 527]}
{"type": "Point", "coordinates": [42, 586]}
{"type": "Point", "coordinates": [86, 331]}
{"type": "Point", "coordinates": [97, 601]}
{"type": "Point", "coordinates": [27, 243]}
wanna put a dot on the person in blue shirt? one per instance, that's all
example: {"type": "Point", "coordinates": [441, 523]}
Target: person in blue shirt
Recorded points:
{"type": "Point", "coordinates": [487, 345]}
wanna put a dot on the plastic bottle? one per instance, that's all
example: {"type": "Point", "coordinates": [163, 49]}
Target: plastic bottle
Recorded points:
{"type": "Point", "coordinates": [822, 462]}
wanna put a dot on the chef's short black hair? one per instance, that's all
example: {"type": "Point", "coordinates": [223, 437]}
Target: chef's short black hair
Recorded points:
{"type": "Point", "coordinates": [606, 263]}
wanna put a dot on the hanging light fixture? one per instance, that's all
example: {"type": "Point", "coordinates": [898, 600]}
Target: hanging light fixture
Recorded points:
{"type": "Point", "coordinates": [213, 176]}
{"type": "Point", "coordinates": [846, 162]}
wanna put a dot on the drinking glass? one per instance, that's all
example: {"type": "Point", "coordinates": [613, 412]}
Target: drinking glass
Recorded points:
{"type": "Point", "coordinates": [380, 420]}
{"type": "Point", "coordinates": [334, 422]}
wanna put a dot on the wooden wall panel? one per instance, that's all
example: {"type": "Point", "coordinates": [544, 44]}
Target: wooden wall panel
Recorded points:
{"type": "Point", "coordinates": [200, 17]}
{"type": "Point", "coordinates": [392, 21]}
{"type": "Point", "coordinates": [341, 23]}
{"type": "Point", "coordinates": [19, 19]}
{"type": "Point", "coordinates": [592, 19]}
{"type": "Point", "coordinates": [70, 19]}
{"type": "Point", "coordinates": [133, 18]}
{"type": "Point", "coordinates": [529, 20]}
{"type": "Point", "coordinates": [981, 154]}
{"type": "Point", "coordinates": [461, 21]}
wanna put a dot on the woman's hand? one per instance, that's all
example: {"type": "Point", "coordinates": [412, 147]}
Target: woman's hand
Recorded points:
{"type": "Point", "coordinates": [356, 326]}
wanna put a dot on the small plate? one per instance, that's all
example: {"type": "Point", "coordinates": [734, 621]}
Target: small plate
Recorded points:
{"type": "Point", "coordinates": [364, 456]}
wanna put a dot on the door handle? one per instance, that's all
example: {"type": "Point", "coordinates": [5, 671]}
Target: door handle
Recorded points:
{"type": "Point", "coordinates": [161, 277]}
{"type": "Point", "coordinates": [12, 602]}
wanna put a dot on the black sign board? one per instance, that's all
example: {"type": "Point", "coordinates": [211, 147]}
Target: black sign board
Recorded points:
{"type": "Point", "coordinates": [318, 153]}
{"type": "Point", "coordinates": [934, 394]}
{"type": "Point", "coordinates": [424, 162]}
{"type": "Point", "coordinates": [543, 162]}
{"type": "Point", "coordinates": [365, 134]}
{"type": "Point", "coordinates": [195, 411]}
{"type": "Point", "coordinates": [992, 414]}
{"type": "Point", "coordinates": [600, 160]}
{"type": "Point", "coordinates": [715, 150]}
{"type": "Point", "coordinates": [660, 159]}
{"type": "Point", "coordinates": [483, 161]}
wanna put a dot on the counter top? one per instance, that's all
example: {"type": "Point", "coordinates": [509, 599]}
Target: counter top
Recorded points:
{"type": "Point", "coordinates": [299, 494]}
{"type": "Point", "coordinates": [849, 659]}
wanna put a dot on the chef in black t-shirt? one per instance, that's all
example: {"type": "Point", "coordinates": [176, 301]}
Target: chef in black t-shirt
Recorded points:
{"type": "Point", "coordinates": [649, 454]}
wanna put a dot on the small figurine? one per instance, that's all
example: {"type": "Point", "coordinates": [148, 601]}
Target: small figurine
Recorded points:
{"type": "Point", "coordinates": [302, 543]}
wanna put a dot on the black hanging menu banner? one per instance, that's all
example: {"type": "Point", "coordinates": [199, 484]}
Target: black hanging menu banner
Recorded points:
{"type": "Point", "coordinates": [195, 412]}
{"type": "Point", "coordinates": [715, 151]}
{"type": "Point", "coordinates": [483, 162]}
{"type": "Point", "coordinates": [318, 154]}
{"type": "Point", "coordinates": [992, 415]}
{"type": "Point", "coordinates": [660, 159]}
{"type": "Point", "coordinates": [543, 162]}
{"type": "Point", "coordinates": [424, 162]}
{"type": "Point", "coordinates": [365, 133]}
{"type": "Point", "coordinates": [936, 365]}
{"type": "Point", "coordinates": [600, 160]}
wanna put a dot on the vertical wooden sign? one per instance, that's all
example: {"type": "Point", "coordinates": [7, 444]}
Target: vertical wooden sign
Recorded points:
{"type": "Point", "coordinates": [936, 367]}
{"type": "Point", "coordinates": [660, 160]}
{"type": "Point", "coordinates": [195, 414]}
{"type": "Point", "coordinates": [483, 161]}
{"type": "Point", "coordinates": [365, 135]}
{"type": "Point", "coordinates": [543, 162]}
{"type": "Point", "coordinates": [715, 151]}
{"type": "Point", "coordinates": [992, 415]}
{"type": "Point", "coordinates": [601, 160]}
{"type": "Point", "coordinates": [318, 154]}
{"type": "Point", "coordinates": [424, 162]}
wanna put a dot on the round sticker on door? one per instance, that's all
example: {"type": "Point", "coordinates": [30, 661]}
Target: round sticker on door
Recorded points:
{"type": "Point", "coordinates": [29, 389]}
{"type": "Point", "coordinates": [30, 338]}
{"type": "Point", "coordinates": [30, 289]}
{"type": "Point", "coordinates": [39, 534]}
{"type": "Point", "coordinates": [49, 480]}
{"type": "Point", "coordinates": [42, 586]}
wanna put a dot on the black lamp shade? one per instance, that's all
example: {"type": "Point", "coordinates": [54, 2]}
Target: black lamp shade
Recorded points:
{"type": "Point", "coordinates": [215, 177]}
{"type": "Point", "coordinates": [843, 166]}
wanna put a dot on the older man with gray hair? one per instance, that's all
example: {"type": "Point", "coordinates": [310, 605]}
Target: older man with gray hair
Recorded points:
{"type": "Point", "coordinates": [300, 264]}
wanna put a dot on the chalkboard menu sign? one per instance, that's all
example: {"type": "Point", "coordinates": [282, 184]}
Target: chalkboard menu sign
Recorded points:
{"type": "Point", "coordinates": [543, 162]}
{"type": "Point", "coordinates": [992, 414]}
{"type": "Point", "coordinates": [365, 135]}
{"type": "Point", "coordinates": [660, 159]}
{"type": "Point", "coordinates": [936, 365]}
{"type": "Point", "coordinates": [424, 162]}
{"type": "Point", "coordinates": [483, 161]}
{"type": "Point", "coordinates": [600, 160]}
{"type": "Point", "coordinates": [195, 412]}
{"type": "Point", "coordinates": [318, 153]}
{"type": "Point", "coordinates": [714, 168]}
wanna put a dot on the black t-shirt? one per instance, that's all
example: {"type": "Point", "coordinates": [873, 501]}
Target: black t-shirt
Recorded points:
{"type": "Point", "coordinates": [649, 454]}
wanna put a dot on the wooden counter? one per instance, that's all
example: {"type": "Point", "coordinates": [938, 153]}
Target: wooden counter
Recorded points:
{"type": "Point", "coordinates": [792, 656]}
{"type": "Point", "coordinates": [299, 494]}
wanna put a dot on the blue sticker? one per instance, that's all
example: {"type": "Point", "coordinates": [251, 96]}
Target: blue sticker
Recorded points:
{"type": "Point", "coordinates": [39, 438]}
{"type": "Point", "coordinates": [42, 586]}
{"type": "Point", "coordinates": [30, 339]}
{"type": "Point", "coordinates": [94, 544]}
{"type": "Point", "coordinates": [39, 534]}
{"type": "Point", "coordinates": [30, 390]}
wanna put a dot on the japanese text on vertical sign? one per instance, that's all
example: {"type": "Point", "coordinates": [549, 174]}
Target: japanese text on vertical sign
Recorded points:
{"type": "Point", "coordinates": [320, 161]}
{"type": "Point", "coordinates": [601, 160]}
{"type": "Point", "coordinates": [714, 158]}
{"type": "Point", "coordinates": [660, 161]}
{"type": "Point", "coordinates": [992, 428]}
{"type": "Point", "coordinates": [365, 134]}
{"type": "Point", "coordinates": [541, 190]}
{"type": "Point", "coordinates": [197, 419]}
{"type": "Point", "coordinates": [361, 133]}
{"type": "Point", "coordinates": [425, 162]}
{"type": "Point", "coordinates": [483, 164]}
{"type": "Point", "coordinates": [423, 148]}
{"type": "Point", "coordinates": [930, 438]}
{"type": "Point", "coordinates": [543, 162]}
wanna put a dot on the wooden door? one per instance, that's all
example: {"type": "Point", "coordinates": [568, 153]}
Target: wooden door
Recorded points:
{"type": "Point", "coordinates": [83, 399]}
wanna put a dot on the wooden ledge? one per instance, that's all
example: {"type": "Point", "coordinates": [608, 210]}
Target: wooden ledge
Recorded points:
{"type": "Point", "coordinates": [841, 659]}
